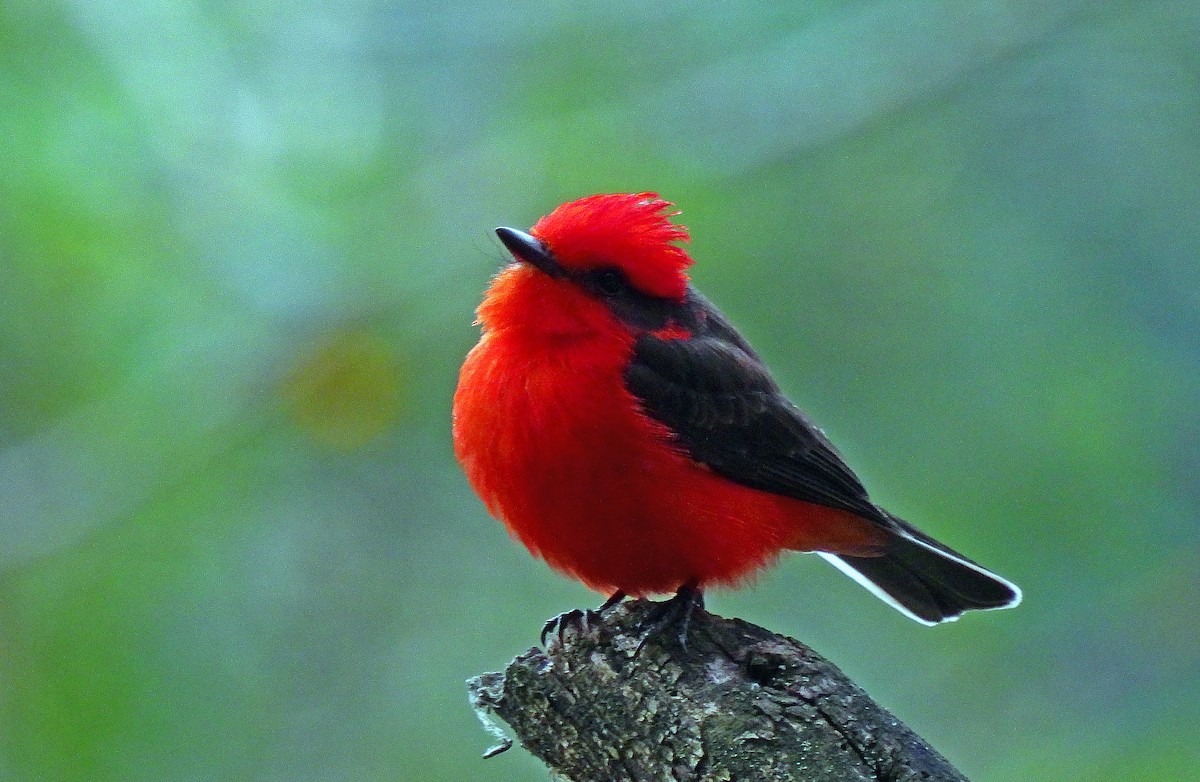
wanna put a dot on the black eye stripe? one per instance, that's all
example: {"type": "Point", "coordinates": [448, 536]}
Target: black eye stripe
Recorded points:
{"type": "Point", "coordinates": [607, 281]}
{"type": "Point", "coordinates": [631, 305]}
{"type": "Point", "coordinates": [611, 281]}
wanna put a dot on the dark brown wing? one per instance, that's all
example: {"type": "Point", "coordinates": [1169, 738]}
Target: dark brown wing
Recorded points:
{"type": "Point", "coordinates": [725, 409]}
{"type": "Point", "coordinates": [720, 401]}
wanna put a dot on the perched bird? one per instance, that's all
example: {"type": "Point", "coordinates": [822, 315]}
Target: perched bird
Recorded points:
{"type": "Point", "coordinates": [623, 431]}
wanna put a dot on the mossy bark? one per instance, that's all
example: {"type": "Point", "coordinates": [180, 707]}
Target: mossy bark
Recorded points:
{"type": "Point", "coordinates": [738, 703]}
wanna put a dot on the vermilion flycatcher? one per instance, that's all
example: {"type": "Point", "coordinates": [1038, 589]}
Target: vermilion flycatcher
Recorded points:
{"type": "Point", "coordinates": [627, 434]}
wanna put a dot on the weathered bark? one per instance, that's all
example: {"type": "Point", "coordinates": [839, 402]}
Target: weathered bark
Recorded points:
{"type": "Point", "coordinates": [739, 703]}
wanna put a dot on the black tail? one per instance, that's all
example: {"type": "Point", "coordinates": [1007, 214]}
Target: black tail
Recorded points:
{"type": "Point", "coordinates": [925, 580]}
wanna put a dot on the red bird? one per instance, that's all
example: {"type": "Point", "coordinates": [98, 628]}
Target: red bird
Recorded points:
{"type": "Point", "coordinates": [622, 429]}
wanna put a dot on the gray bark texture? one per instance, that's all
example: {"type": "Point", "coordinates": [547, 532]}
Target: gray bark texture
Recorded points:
{"type": "Point", "coordinates": [738, 704]}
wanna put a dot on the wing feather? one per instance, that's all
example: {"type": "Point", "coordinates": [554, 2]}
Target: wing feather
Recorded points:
{"type": "Point", "coordinates": [723, 407]}
{"type": "Point", "coordinates": [726, 410]}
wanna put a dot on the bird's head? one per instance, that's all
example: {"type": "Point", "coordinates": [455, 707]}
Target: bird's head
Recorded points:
{"type": "Point", "coordinates": [588, 261]}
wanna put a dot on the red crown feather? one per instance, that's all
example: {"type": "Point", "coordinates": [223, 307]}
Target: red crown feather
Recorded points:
{"type": "Point", "coordinates": [632, 231]}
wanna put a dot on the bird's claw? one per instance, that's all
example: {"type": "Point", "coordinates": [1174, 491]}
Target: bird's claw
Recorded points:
{"type": "Point", "coordinates": [579, 619]}
{"type": "Point", "coordinates": [676, 612]}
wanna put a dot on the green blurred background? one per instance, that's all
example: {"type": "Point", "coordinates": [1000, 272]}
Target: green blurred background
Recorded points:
{"type": "Point", "coordinates": [240, 244]}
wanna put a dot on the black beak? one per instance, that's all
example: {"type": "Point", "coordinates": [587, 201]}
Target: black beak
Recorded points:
{"type": "Point", "coordinates": [529, 250]}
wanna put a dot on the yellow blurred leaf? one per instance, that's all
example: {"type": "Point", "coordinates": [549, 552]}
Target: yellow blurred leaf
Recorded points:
{"type": "Point", "coordinates": [347, 389]}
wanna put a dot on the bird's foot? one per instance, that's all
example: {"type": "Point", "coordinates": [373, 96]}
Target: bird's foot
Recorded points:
{"type": "Point", "coordinates": [674, 613]}
{"type": "Point", "coordinates": [579, 619]}
{"type": "Point", "coordinates": [576, 618]}
{"type": "Point", "coordinates": [613, 599]}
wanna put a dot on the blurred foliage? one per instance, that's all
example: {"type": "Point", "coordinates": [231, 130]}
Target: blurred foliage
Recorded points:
{"type": "Point", "coordinates": [240, 244]}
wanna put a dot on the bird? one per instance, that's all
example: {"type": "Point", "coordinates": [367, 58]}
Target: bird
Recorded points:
{"type": "Point", "coordinates": [627, 434]}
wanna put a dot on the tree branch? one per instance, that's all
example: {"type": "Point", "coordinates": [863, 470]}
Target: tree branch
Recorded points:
{"type": "Point", "coordinates": [739, 703]}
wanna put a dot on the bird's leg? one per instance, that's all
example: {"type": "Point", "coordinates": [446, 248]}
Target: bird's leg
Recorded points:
{"type": "Point", "coordinates": [612, 600]}
{"type": "Point", "coordinates": [582, 619]}
{"type": "Point", "coordinates": [597, 615]}
{"type": "Point", "coordinates": [676, 612]}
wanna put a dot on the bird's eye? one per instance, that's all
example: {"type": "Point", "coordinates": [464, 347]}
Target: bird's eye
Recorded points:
{"type": "Point", "coordinates": [610, 282]}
